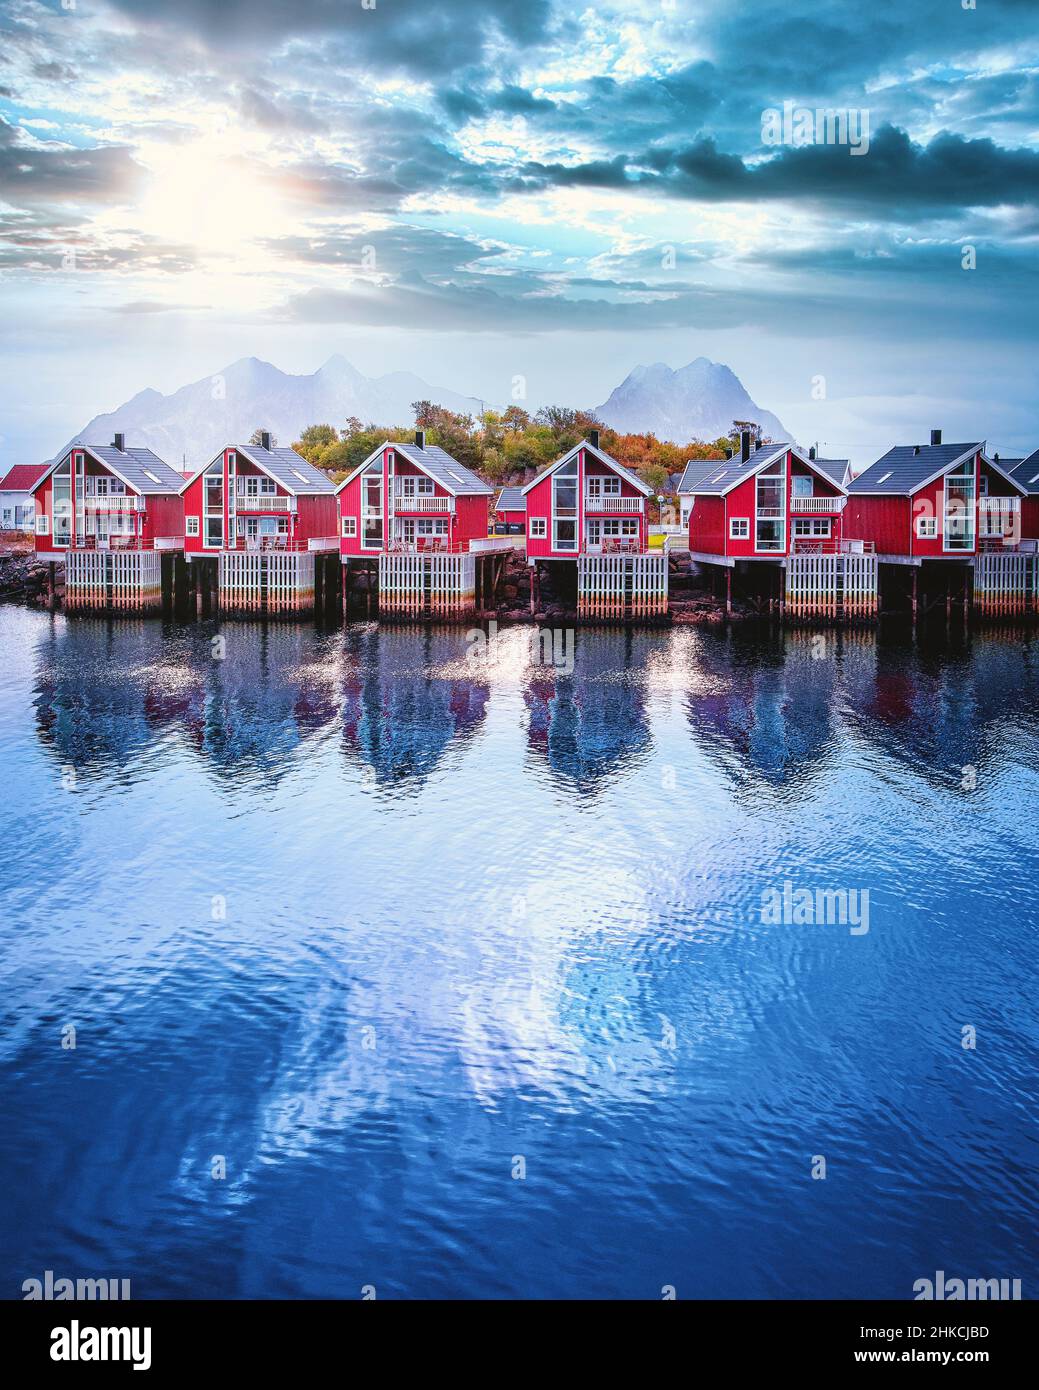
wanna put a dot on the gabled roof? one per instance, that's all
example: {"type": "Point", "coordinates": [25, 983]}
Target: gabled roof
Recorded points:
{"type": "Point", "coordinates": [835, 469]}
{"type": "Point", "coordinates": [511, 499]}
{"type": "Point", "coordinates": [907, 468]}
{"type": "Point", "coordinates": [23, 477]}
{"type": "Point", "coordinates": [139, 469]}
{"type": "Point", "coordinates": [298, 477]}
{"type": "Point", "coordinates": [602, 456]}
{"type": "Point", "coordinates": [716, 477]}
{"type": "Point", "coordinates": [436, 463]}
{"type": "Point", "coordinates": [1025, 472]}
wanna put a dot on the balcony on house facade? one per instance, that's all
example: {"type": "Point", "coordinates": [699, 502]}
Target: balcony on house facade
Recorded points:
{"type": "Point", "coordinates": [999, 517]}
{"type": "Point", "coordinates": [263, 502]}
{"type": "Point", "coordinates": [421, 502]}
{"type": "Point", "coordinates": [612, 502]}
{"type": "Point", "coordinates": [815, 505]}
{"type": "Point", "coordinates": [112, 502]}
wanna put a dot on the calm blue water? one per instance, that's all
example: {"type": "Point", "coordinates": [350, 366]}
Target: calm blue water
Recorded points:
{"type": "Point", "coordinates": [373, 922]}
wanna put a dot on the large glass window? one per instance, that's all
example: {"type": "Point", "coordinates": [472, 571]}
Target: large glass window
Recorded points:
{"type": "Point", "coordinates": [61, 503]}
{"type": "Point", "coordinates": [770, 491]}
{"type": "Point", "coordinates": [213, 493]}
{"type": "Point", "coordinates": [371, 510]}
{"type": "Point", "coordinates": [564, 507]}
{"type": "Point", "coordinates": [960, 499]}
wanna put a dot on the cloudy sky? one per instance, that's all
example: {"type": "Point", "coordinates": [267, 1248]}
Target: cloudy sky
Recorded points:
{"type": "Point", "coordinates": [479, 190]}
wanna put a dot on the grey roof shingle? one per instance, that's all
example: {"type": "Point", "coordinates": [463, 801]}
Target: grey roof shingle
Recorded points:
{"type": "Point", "coordinates": [445, 470]}
{"type": "Point", "coordinates": [837, 469]}
{"type": "Point", "coordinates": [713, 477]}
{"type": "Point", "coordinates": [1025, 472]}
{"type": "Point", "coordinates": [286, 466]}
{"type": "Point", "coordinates": [511, 499]}
{"type": "Point", "coordinates": [907, 467]}
{"type": "Point", "coordinates": [133, 466]}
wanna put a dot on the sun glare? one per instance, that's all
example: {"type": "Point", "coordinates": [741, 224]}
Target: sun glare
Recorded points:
{"type": "Point", "coordinates": [211, 201]}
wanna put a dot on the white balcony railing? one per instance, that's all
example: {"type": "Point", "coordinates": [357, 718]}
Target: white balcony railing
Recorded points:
{"type": "Point", "coordinates": [611, 502]}
{"type": "Point", "coordinates": [111, 502]}
{"type": "Point", "coordinates": [817, 504]}
{"type": "Point", "coordinates": [422, 502]}
{"type": "Point", "coordinates": [263, 502]}
{"type": "Point", "coordinates": [999, 516]}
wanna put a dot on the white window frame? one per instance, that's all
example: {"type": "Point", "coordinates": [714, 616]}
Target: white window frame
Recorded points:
{"type": "Point", "coordinates": [620, 527]}
{"type": "Point", "coordinates": [349, 527]}
{"type": "Point", "coordinates": [192, 526]}
{"type": "Point", "coordinates": [812, 527]}
{"type": "Point", "coordinates": [539, 528]}
{"type": "Point", "coordinates": [737, 522]}
{"type": "Point", "coordinates": [604, 485]}
{"type": "Point", "coordinates": [43, 524]}
{"type": "Point", "coordinates": [927, 528]}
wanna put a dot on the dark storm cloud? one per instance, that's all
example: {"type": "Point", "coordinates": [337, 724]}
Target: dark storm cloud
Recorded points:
{"type": "Point", "coordinates": [42, 173]}
{"type": "Point", "coordinates": [414, 35]}
{"type": "Point", "coordinates": [896, 178]}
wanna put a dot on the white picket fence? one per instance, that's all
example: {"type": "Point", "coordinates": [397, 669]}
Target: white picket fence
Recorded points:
{"type": "Point", "coordinates": [1006, 583]}
{"type": "Point", "coordinates": [622, 586]}
{"type": "Point", "coordinates": [266, 581]}
{"type": "Point", "coordinates": [417, 585]}
{"type": "Point", "coordinates": [130, 580]}
{"type": "Point", "coordinates": [831, 586]}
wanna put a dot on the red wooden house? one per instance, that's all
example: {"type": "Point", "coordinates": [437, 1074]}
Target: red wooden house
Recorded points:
{"type": "Point", "coordinates": [255, 497]}
{"type": "Point", "coordinates": [107, 497]}
{"type": "Point", "coordinates": [951, 508]}
{"type": "Point", "coordinates": [411, 498]}
{"type": "Point", "coordinates": [766, 503]}
{"type": "Point", "coordinates": [1025, 473]}
{"type": "Point", "coordinates": [589, 511]}
{"type": "Point", "coordinates": [939, 501]}
{"type": "Point", "coordinates": [586, 503]}
{"type": "Point", "coordinates": [418, 513]}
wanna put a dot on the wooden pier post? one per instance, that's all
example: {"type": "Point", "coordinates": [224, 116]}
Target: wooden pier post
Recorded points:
{"type": "Point", "coordinates": [728, 593]}
{"type": "Point", "coordinates": [916, 581]}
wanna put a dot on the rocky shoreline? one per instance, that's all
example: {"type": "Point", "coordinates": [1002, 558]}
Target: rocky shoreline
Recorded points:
{"type": "Point", "coordinates": [24, 578]}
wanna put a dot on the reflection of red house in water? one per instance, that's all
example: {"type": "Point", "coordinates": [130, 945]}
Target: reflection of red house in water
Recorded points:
{"type": "Point", "coordinates": [399, 720]}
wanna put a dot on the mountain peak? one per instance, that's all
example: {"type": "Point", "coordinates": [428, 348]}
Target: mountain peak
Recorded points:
{"type": "Point", "coordinates": [198, 420]}
{"type": "Point", "coordinates": [697, 401]}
